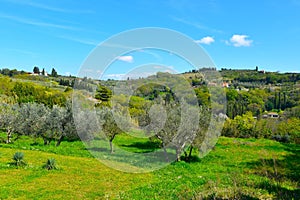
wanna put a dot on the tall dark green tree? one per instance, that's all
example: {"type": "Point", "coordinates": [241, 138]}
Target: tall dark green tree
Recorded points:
{"type": "Point", "coordinates": [43, 72]}
{"type": "Point", "coordinates": [103, 94]}
{"type": "Point", "coordinates": [54, 73]}
{"type": "Point", "coordinates": [36, 70]}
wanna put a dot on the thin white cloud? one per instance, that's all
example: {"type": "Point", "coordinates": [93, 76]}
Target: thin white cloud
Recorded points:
{"type": "Point", "coordinates": [128, 59]}
{"type": "Point", "coordinates": [24, 52]}
{"type": "Point", "coordinates": [206, 40]}
{"type": "Point", "coordinates": [148, 51]}
{"type": "Point", "coordinates": [196, 25]}
{"type": "Point", "coordinates": [48, 7]}
{"type": "Point", "coordinates": [79, 40]}
{"type": "Point", "coordinates": [36, 23]}
{"type": "Point", "coordinates": [240, 41]}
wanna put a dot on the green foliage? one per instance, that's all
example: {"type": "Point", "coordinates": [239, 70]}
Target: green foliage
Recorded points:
{"type": "Point", "coordinates": [240, 126]}
{"type": "Point", "coordinates": [54, 73]}
{"type": "Point", "coordinates": [290, 128]}
{"type": "Point", "coordinates": [43, 72]}
{"type": "Point", "coordinates": [11, 73]}
{"type": "Point", "coordinates": [36, 70]}
{"type": "Point", "coordinates": [50, 164]}
{"type": "Point", "coordinates": [283, 130]}
{"type": "Point", "coordinates": [110, 128]}
{"type": "Point", "coordinates": [37, 120]}
{"type": "Point", "coordinates": [5, 85]}
{"type": "Point", "coordinates": [103, 94]}
{"type": "Point", "coordinates": [203, 96]}
{"type": "Point", "coordinates": [150, 91]}
{"type": "Point", "coordinates": [19, 159]}
{"type": "Point", "coordinates": [29, 92]}
{"type": "Point", "coordinates": [260, 77]}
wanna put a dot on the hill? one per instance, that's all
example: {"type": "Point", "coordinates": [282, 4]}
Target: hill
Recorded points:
{"type": "Point", "coordinates": [236, 168]}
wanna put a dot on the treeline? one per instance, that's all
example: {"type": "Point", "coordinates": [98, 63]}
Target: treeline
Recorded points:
{"type": "Point", "coordinates": [37, 120]}
{"type": "Point", "coordinates": [11, 73]}
{"type": "Point", "coordinates": [39, 75]}
{"type": "Point", "coordinates": [260, 76]}
{"type": "Point", "coordinates": [36, 70]}
{"type": "Point", "coordinates": [255, 75]}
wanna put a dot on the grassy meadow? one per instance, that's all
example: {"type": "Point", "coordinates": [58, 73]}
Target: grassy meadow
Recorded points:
{"type": "Point", "coordinates": [234, 169]}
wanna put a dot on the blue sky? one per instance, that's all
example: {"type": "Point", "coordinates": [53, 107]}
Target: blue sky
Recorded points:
{"type": "Point", "coordinates": [236, 34]}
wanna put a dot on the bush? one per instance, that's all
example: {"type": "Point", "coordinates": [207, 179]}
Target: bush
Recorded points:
{"type": "Point", "coordinates": [50, 164]}
{"type": "Point", "coordinates": [19, 159]}
{"type": "Point", "coordinates": [285, 138]}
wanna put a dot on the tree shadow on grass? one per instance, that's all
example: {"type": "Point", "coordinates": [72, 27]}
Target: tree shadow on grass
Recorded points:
{"type": "Point", "coordinates": [145, 147]}
{"type": "Point", "coordinates": [279, 170]}
{"type": "Point", "coordinates": [279, 191]}
{"type": "Point", "coordinates": [98, 149]}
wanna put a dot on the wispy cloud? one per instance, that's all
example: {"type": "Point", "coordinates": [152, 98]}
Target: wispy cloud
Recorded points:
{"type": "Point", "coordinates": [240, 41]}
{"type": "Point", "coordinates": [36, 23]}
{"type": "Point", "coordinates": [24, 52]}
{"type": "Point", "coordinates": [48, 7]}
{"type": "Point", "coordinates": [196, 25]}
{"type": "Point", "coordinates": [128, 59]}
{"type": "Point", "coordinates": [206, 40]}
{"type": "Point", "coordinates": [79, 40]}
{"type": "Point", "coordinates": [149, 52]}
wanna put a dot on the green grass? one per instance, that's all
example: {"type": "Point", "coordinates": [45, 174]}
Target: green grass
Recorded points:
{"type": "Point", "coordinates": [236, 168]}
{"type": "Point", "coordinates": [76, 148]}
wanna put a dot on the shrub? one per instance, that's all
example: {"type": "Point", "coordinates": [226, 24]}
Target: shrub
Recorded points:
{"type": "Point", "coordinates": [50, 164]}
{"type": "Point", "coordinates": [279, 138]}
{"type": "Point", "coordinates": [19, 159]}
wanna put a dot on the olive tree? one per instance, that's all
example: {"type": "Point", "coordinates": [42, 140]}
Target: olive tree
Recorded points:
{"type": "Point", "coordinates": [53, 124]}
{"type": "Point", "coordinates": [32, 118]}
{"type": "Point", "coordinates": [8, 119]}
{"type": "Point", "coordinates": [180, 127]}
{"type": "Point", "coordinates": [112, 123]}
{"type": "Point", "coordinates": [68, 125]}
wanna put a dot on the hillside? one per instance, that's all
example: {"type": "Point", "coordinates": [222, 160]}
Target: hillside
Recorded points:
{"type": "Point", "coordinates": [236, 168]}
{"type": "Point", "coordinates": [79, 128]}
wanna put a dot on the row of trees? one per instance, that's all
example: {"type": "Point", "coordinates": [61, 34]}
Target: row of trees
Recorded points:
{"type": "Point", "coordinates": [36, 70]}
{"type": "Point", "coordinates": [57, 123]}
{"type": "Point", "coordinates": [180, 128]}
{"type": "Point", "coordinates": [38, 120]}
{"type": "Point", "coordinates": [260, 76]}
